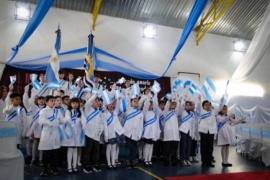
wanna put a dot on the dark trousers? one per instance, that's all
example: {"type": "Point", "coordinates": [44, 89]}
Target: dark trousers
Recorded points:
{"type": "Point", "coordinates": [207, 146]}
{"type": "Point", "coordinates": [170, 151]}
{"type": "Point", "coordinates": [158, 149]}
{"type": "Point", "coordinates": [50, 158]}
{"type": "Point", "coordinates": [185, 144]}
{"type": "Point", "coordinates": [62, 156]}
{"type": "Point", "coordinates": [193, 148]}
{"type": "Point", "coordinates": [131, 145]}
{"type": "Point", "coordinates": [91, 152]}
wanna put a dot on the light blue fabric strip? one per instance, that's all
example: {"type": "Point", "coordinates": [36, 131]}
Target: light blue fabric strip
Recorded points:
{"type": "Point", "coordinates": [8, 132]}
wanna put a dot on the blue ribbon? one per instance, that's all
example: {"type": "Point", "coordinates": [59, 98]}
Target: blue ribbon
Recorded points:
{"type": "Point", "coordinates": [161, 118]}
{"type": "Point", "coordinates": [60, 133]}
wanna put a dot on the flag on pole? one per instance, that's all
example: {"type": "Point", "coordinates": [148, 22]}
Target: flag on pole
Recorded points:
{"type": "Point", "coordinates": [89, 62]}
{"type": "Point", "coordinates": [224, 98]}
{"type": "Point", "coordinates": [53, 67]}
{"type": "Point", "coordinates": [95, 12]}
{"type": "Point", "coordinates": [209, 89]}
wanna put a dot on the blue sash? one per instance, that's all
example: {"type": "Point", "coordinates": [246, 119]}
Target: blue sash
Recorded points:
{"type": "Point", "coordinates": [132, 115]}
{"type": "Point", "coordinates": [169, 115]}
{"type": "Point", "coordinates": [149, 122]}
{"type": "Point", "coordinates": [187, 117]}
{"type": "Point", "coordinates": [62, 82]}
{"type": "Point", "coordinates": [29, 113]}
{"type": "Point", "coordinates": [206, 115]}
{"type": "Point", "coordinates": [110, 120]}
{"type": "Point", "coordinates": [161, 118]}
{"type": "Point", "coordinates": [219, 126]}
{"type": "Point", "coordinates": [74, 116]}
{"type": "Point", "coordinates": [43, 89]}
{"type": "Point", "coordinates": [13, 114]}
{"type": "Point", "coordinates": [80, 93]}
{"type": "Point", "coordinates": [92, 115]}
{"type": "Point", "coordinates": [35, 117]}
{"type": "Point", "coordinates": [52, 118]}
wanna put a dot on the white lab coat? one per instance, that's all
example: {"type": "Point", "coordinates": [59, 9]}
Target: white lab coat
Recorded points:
{"type": "Point", "coordinates": [185, 127]}
{"type": "Point", "coordinates": [94, 128]}
{"type": "Point", "coordinates": [73, 130]}
{"type": "Point", "coordinates": [50, 134]}
{"type": "Point", "coordinates": [171, 127]}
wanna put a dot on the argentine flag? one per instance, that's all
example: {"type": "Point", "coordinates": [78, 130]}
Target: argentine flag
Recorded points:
{"type": "Point", "coordinates": [54, 65]}
{"type": "Point", "coordinates": [209, 89]}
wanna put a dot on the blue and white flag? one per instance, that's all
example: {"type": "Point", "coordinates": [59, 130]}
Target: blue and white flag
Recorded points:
{"type": "Point", "coordinates": [209, 89]}
{"type": "Point", "coordinates": [121, 80]}
{"type": "Point", "coordinates": [177, 85]}
{"type": "Point", "coordinates": [51, 75]}
{"type": "Point", "coordinates": [123, 105]}
{"type": "Point", "coordinates": [34, 82]}
{"type": "Point", "coordinates": [187, 83]}
{"type": "Point", "coordinates": [106, 97]}
{"type": "Point", "coordinates": [193, 89]}
{"type": "Point", "coordinates": [168, 95]}
{"type": "Point", "coordinates": [77, 80]}
{"type": "Point", "coordinates": [117, 93]}
{"type": "Point", "coordinates": [89, 62]}
{"type": "Point", "coordinates": [135, 90]}
{"type": "Point", "coordinates": [156, 87]}
{"type": "Point", "coordinates": [225, 97]}
{"type": "Point", "coordinates": [12, 79]}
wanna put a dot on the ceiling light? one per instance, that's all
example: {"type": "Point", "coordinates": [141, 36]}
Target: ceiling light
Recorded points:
{"type": "Point", "coordinates": [239, 46]}
{"type": "Point", "coordinates": [22, 11]}
{"type": "Point", "coordinates": [149, 31]}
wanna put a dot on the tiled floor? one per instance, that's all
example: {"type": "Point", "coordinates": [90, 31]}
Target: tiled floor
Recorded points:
{"type": "Point", "coordinates": [240, 164]}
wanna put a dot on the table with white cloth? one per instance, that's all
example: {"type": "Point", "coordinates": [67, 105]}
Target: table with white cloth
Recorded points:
{"type": "Point", "coordinates": [255, 140]}
{"type": "Point", "coordinates": [11, 159]}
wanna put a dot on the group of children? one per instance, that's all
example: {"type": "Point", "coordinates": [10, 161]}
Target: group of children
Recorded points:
{"type": "Point", "coordinates": [77, 119]}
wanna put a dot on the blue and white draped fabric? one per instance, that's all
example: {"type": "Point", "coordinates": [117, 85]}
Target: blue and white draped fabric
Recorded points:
{"type": "Point", "coordinates": [34, 82]}
{"type": "Point", "coordinates": [110, 120]}
{"type": "Point", "coordinates": [169, 115]}
{"type": "Point", "coordinates": [186, 118]}
{"type": "Point", "coordinates": [149, 122]}
{"type": "Point", "coordinates": [192, 89]}
{"type": "Point", "coordinates": [219, 126]}
{"type": "Point", "coordinates": [161, 118]}
{"type": "Point", "coordinates": [206, 115]}
{"type": "Point", "coordinates": [92, 115]}
{"type": "Point", "coordinates": [131, 115]}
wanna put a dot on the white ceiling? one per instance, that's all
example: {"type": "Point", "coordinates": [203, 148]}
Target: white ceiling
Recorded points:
{"type": "Point", "coordinates": [214, 56]}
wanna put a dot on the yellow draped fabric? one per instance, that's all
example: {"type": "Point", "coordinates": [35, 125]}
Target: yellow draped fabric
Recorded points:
{"type": "Point", "coordinates": [95, 12]}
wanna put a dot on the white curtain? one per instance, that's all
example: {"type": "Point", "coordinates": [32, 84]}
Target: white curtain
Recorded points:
{"type": "Point", "coordinates": [257, 48]}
